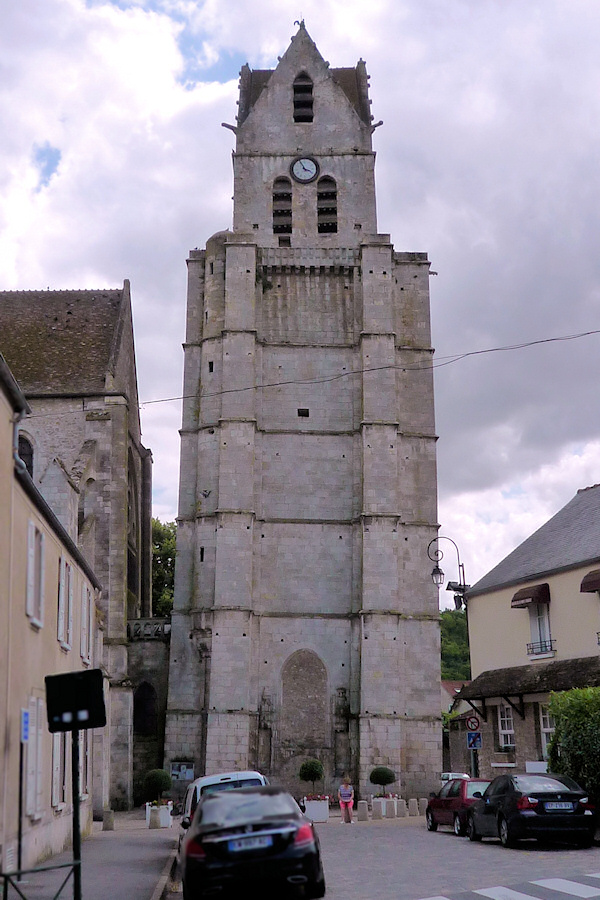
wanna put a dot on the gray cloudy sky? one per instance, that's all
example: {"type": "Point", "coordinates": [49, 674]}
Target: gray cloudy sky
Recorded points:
{"type": "Point", "coordinates": [113, 165]}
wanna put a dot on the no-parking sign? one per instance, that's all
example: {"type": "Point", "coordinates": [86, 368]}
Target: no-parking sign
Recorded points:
{"type": "Point", "coordinates": [474, 740]}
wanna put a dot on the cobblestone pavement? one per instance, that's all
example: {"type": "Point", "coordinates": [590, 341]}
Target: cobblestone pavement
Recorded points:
{"type": "Point", "coordinates": [399, 859]}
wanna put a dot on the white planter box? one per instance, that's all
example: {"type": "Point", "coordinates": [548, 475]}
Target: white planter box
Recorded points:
{"type": "Point", "coordinates": [165, 814]}
{"type": "Point", "coordinates": [317, 810]}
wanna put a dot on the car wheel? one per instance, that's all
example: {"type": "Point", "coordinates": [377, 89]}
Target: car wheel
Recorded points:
{"type": "Point", "coordinates": [505, 834]}
{"type": "Point", "coordinates": [315, 889]}
{"type": "Point", "coordinates": [585, 842]}
{"type": "Point", "coordinates": [471, 830]}
{"type": "Point", "coordinates": [459, 828]}
{"type": "Point", "coordinates": [430, 821]}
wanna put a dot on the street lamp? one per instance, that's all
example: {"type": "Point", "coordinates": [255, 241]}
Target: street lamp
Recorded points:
{"type": "Point", "coordinates": [459, 587]}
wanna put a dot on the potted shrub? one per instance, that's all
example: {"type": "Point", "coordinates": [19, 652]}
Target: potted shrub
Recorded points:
{"type": "Point", "coordinates": [155, 782]}
{"type": "Point", "coordinates": [316, 806]}
{"type": "Point", "coordinates": [382, 776]}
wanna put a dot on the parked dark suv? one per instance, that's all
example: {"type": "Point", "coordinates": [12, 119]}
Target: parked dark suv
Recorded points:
{"type": "Point", "coordinates": [546, 807]}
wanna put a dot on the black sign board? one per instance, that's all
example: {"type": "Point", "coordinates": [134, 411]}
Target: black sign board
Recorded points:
{"type": "Point", "coordinates": [75, 701]}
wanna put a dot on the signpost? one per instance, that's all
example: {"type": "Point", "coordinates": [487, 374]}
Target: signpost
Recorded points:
{"type": "Point", "coordinates": [75, 702]}
{"type": "Point", "coordinates": [24, 740]}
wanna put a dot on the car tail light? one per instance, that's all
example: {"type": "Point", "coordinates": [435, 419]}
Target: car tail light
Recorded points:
{"type": "Point", "coordinates": [585, 803]}
{"type": "Point", "coordinates": [304, 835]}
{"type": "Point", "coordinates": [194, 850]}
{"type": "Point", "coordinates": [527, 803]}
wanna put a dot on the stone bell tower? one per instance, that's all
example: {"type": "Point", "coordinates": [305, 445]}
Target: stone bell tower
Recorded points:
{"type": "Point", "coordinates": [305, 620]}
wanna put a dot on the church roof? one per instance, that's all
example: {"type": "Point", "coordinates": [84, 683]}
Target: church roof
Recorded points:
{"type": "Point", "coordinates": [61, 341]}
{"type": "Point", "coordinates": [569, 539]}
{"type": "Point", "coordinates": [352, 80]}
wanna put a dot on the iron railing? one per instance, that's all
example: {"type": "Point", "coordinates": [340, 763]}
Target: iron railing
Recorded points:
{"type": "Point", "coordinates": [148, 629]}
{"type": "Point", "coordinates": [541, 647]}
{"type": "Point", "coordinates": [12, 879]}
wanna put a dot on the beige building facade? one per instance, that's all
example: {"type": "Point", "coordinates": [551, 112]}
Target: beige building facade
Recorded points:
{"type": "Point", "coordinates": [305, 621]}
{"type": "Point", "coordinates": [73, 355]}
{"type": "Point", "coordinates": [534, 627]}
{"type": "Point", "coordinates": [49, 608]}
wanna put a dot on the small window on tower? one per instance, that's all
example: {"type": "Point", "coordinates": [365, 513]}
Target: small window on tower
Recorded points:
{"type": "Point", "coordinates": [303, 98]}
{"type": "Point", "coordinates": [326, 206]}
{"type": "Point", "coordinates": [282, 206]}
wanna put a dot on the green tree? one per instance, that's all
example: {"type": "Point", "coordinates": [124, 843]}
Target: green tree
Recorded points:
{"type": "Point", "coordinates": [155, 782]}
{"type": "Point", "coordinates": [311, 770]}
{"type": "Point", "coordinates": [456, 663]}
{"type": "Point", "coordinates": [163, 566]}
{"type": "Point", "coordinates": [382, 776]}
{"type": "Point", "coordinates": [575, 746]}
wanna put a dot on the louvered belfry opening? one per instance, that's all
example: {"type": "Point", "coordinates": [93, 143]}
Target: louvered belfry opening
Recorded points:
{"type": "Point", "coordinates": [282, 206]}
{"type": "Point", "coordinates": [327, 205]}
{"type": "Point", "coordinates": [303, 98]}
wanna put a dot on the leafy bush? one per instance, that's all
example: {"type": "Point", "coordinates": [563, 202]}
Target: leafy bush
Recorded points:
{"type": "Point", "coordinates": [575, 747]}
{"type": "Point", "coordinates": [382, 776]}
{"type": "Point", "coordinates": [311, 770]}
{"type": "Point", "coordinates": [155, 782]}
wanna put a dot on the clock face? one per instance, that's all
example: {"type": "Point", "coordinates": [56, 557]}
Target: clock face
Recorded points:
{"type": "Point", "coordinates": [304, 169]}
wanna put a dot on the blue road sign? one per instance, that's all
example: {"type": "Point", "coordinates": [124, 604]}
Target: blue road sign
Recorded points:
{"type": "Point", "coordinates": [24, 726]}
{"type": "Point", "coordinates": [474, 740]}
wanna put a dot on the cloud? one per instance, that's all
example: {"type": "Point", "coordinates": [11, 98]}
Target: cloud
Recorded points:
{"type": "Point", "coordinates": [114, 165]}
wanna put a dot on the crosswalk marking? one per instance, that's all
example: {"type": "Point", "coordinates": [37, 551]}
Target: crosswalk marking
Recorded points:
{"type": "Point", "coordinates": [573, 888]}
{"type": "Point", "coordinates": [503, 893]}
{"type": "Point", "coordinates": [554, 886]}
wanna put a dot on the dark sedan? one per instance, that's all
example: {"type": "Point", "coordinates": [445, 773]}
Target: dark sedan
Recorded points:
{"type": "Point", "coordinates": [451, 805]}
{"type": "Point", "coordinates": [547, 807]}
{"type": "Point", "coordinates": [253, 839]}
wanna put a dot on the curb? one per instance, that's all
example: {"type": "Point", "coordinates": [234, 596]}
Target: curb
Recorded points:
{"type": "Point", "coordinates": [161, 888]}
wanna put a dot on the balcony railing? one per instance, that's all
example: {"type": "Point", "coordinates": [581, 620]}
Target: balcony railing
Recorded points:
{"type": "Point", "coordinates": [538, 647]}
{"type": "Point", "coordinates": [148, 629]}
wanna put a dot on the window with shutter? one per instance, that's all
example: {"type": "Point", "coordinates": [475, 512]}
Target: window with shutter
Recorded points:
{"type": "Point", "coordinates": [34, 604]}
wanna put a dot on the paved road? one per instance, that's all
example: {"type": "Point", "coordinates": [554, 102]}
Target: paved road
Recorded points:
{"type": "Point", "coordinates": [400, 860]}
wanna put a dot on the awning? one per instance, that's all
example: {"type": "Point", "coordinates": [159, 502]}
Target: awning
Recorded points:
{"type": "Point", "coordinates": [537, 593]}
{"type": "Point", "coordinates": [591, 582]}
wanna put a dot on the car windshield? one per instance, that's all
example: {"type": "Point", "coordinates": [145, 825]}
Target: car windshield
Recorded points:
{"type": "Point", "coordinates": [529, 784]}
{"type": "Point", "coordinates": [473, 786]}
{"type": "Point", "coordinates": [236, 808]}
{"type": "Point", "coordinates": [230, 785]}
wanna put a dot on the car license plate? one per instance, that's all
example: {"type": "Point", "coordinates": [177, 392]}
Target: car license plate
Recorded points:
{"type": "Point", "coordinates": [556, 805]}
{"type": "Point", "coordinates": [251, 843]}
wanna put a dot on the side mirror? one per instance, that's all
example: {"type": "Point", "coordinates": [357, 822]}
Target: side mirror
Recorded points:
{"type": "Point", "coordinates": [477, 794]}
{"type": "Point", "coordinates": [185, 822]}
{"type": "Point", "coordinates": [433, 794]}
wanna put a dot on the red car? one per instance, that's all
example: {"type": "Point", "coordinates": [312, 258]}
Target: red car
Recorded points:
{"type": "Point", "coordinates": [450, 805]}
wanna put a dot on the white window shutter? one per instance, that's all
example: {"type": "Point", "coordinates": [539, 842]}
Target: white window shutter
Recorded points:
{"type": "Point", "coordinates": [39, 794]}
{"type": "Point", "coordinates": [42, 575]}
{"type": "Point", "coordinates": [30, 569]}
{"type": "Point", "coordinates": [84, 622]}
{"type": "Point", "coordinates": [31, 759]}
{"type": "Point", "coordinates": [56, 773]}
{"type": "Point", "coordinates": [69, 637]}
{"type": "Point", "coordinates": [60, 633]}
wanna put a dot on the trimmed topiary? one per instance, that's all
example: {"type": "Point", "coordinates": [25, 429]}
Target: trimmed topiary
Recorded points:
{"type": "Point", "coordinates": [311, 770]}
{"type": "Point", "coordinates": [382, 776]}
{"type": "Point", "coordinates": [155, 782]}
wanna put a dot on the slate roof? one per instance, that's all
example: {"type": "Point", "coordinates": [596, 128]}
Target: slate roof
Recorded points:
{"type": "Point", "coordinates": [60, 341]}
{"type": "Point", "coordinates": [536, 678]}
{"type": "Point", "coordinates": [569, 539]}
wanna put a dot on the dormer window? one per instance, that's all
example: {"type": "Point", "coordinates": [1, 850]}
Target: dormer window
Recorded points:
{"type": "Point", "coordinates": [303, 98]}
{"type": "Point", "coordinates": [327, 206]}
{"type": "Point", "coordinates": [282, 206]}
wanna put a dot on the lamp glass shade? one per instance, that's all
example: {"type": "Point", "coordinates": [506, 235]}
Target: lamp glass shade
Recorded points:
{"type": "Point", "coordinates": [437, 576]}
